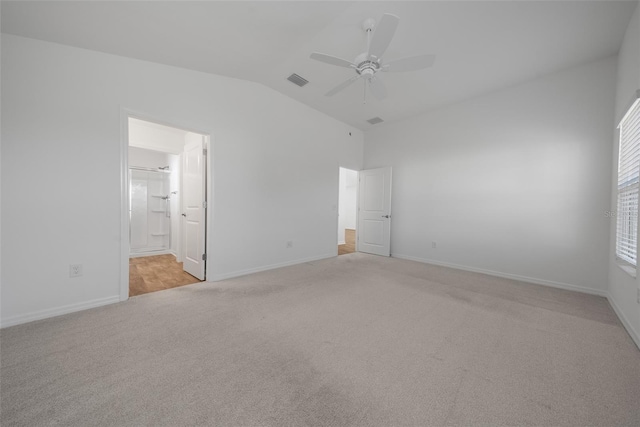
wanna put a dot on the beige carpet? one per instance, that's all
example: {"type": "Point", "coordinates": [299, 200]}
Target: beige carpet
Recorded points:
{"type": "Point", "coordinates": [353, 340]}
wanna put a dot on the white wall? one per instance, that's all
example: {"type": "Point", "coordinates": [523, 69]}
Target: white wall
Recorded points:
{"type": "Point", "coordinates": [623, 287]}
{"type": "Point", "coordinates": [347, 202]}
{"type": "Point", "coordinates": [148, 158]}
{"type": "Point", "coordinates": [515, 182]}
{"type": "Point", "coordinates": [274, 171]}
{"type": "Point", "coordinates": [153, 136]}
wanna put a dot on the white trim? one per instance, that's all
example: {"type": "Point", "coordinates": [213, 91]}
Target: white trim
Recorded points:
{"type": "Point", "coordinates": [58, 311]}
{"type": "Point", "coordinates": [635, 98]}
{"type": "Point", "coordinates": [125, 114]}
{"type": "Point", "coordinates": [635, 336]}
{"type": "Point", "coordinates": [338, 213]}
{"type": "Point", "coordinates": [218, 277]}
{"type": "Point", "coordinates": [124, 203]}
{"type": "Point", "coordinates": [544, 282]}
{"type": "Point", "coordinates": [626, 267]}
{"type": "Point", "coordinates": [208, 224]}
{"type": "Point", "coordinates": [150, 253]}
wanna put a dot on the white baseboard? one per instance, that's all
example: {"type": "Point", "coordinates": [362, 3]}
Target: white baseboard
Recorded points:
{"type": "Point", "coordinates": [218, 277]}
{"type": "Point", "coordinates": [560, 285]}
{"type": "Point", "coordinates": [150, 253]}
{"type": "Point", "coordinates": [58, 311]}
{"type": "Point", "coordinates": [635, 336]}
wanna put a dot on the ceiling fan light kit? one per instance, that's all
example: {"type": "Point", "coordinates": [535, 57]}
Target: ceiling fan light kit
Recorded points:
{"type": "Point", "coordinates": [369, 63]}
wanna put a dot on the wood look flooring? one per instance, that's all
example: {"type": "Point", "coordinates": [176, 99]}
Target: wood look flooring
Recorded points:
{"type": "Point", "coordinates": [155, 273]}
{"type": "Point", "coordinates": [350, 242]}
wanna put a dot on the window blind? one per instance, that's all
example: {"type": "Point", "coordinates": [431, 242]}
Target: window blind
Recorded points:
{"type": "Point", "coordinates": [628, 178]}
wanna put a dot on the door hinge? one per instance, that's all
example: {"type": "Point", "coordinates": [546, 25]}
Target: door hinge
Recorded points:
{"type": "Point", "coordinates": [204, 257]}
{"type": "Point", "coordinates": [204, 151]}
{"type": "Point", "coordinates": [204, 204]}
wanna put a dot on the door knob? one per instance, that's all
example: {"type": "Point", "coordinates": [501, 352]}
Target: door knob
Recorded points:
{"type": "Point", "coordinates": [386, 216]}
{"type": "Point", "coordinates": [184, 214]}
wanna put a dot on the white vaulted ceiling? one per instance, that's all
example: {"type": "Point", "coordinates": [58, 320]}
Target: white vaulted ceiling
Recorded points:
{"type": "Point", "coordinates": [481, 46]}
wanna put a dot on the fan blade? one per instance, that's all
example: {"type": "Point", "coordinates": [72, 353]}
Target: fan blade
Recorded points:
{"type": "Point", "coordinates": [411, 63]}
{"type": "Point", "coordinates": [333, 60]}
{"type": "Point", "coordinates": [383, 34]}
{"type": "Point", "coordinates": [378, 88]}
{"type": "Point", "coordinates": [342, 86]}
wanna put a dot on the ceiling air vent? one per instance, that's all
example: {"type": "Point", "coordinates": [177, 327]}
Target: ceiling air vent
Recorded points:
{"type": "Point", "coordinates": [296, 79]}
{"type": "Point", "coordinates": [375, 120]}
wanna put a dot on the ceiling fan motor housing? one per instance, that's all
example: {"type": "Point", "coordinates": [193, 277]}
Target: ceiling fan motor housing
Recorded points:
{"type": "Point", "coordinates": [368, 63]}
{"type": "Point", "coordinates": [366, 66]}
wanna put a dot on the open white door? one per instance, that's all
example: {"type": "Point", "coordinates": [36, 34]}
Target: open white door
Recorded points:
{"type": "Point", "coordinates": [374, 211]}
{"type": "Point", "coordinates": [194, 205]}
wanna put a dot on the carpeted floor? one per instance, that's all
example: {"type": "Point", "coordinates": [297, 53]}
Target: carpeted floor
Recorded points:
{"type": "Point", "coordinates": [352, 340]}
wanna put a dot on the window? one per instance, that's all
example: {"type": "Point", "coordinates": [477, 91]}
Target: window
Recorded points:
{"type": "Point", "coordinates": [628, 177]}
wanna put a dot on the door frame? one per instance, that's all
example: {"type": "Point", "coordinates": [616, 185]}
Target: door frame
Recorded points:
{"type": "Point", "coordinates": [338, 207]}
{"type": "Point", "coordinates": [125, 114]}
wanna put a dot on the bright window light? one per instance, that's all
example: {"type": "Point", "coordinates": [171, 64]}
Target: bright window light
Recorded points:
{"type": "Point", "coordinates": [628, 178]}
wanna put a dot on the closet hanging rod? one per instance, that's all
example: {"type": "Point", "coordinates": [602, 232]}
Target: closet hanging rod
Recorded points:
{"type": "Point", "coordinates": [140, 168]}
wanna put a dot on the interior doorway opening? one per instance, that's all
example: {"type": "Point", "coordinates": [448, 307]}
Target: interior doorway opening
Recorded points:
{"type": "Point", "coordinates": [167, 178]}
{"type": "Point", "coordinates": [347, 211]}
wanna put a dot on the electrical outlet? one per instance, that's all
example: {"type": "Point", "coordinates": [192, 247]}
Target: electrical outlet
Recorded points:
{"type": "Point", "coordinates": [434, 245]}
{"type": "Point", "coordinates": [75, 270]}
{"type": "Point", "coordinates": [289, 244]}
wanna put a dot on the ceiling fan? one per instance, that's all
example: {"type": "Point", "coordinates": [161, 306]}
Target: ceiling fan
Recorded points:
{"type": "Point", "coordinates": [369, 63]}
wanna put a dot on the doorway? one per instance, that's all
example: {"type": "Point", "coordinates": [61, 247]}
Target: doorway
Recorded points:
{"type": "Point", "coordinates": [347, 211]}
{"type": "Point", "coordinates": [166, 206]}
